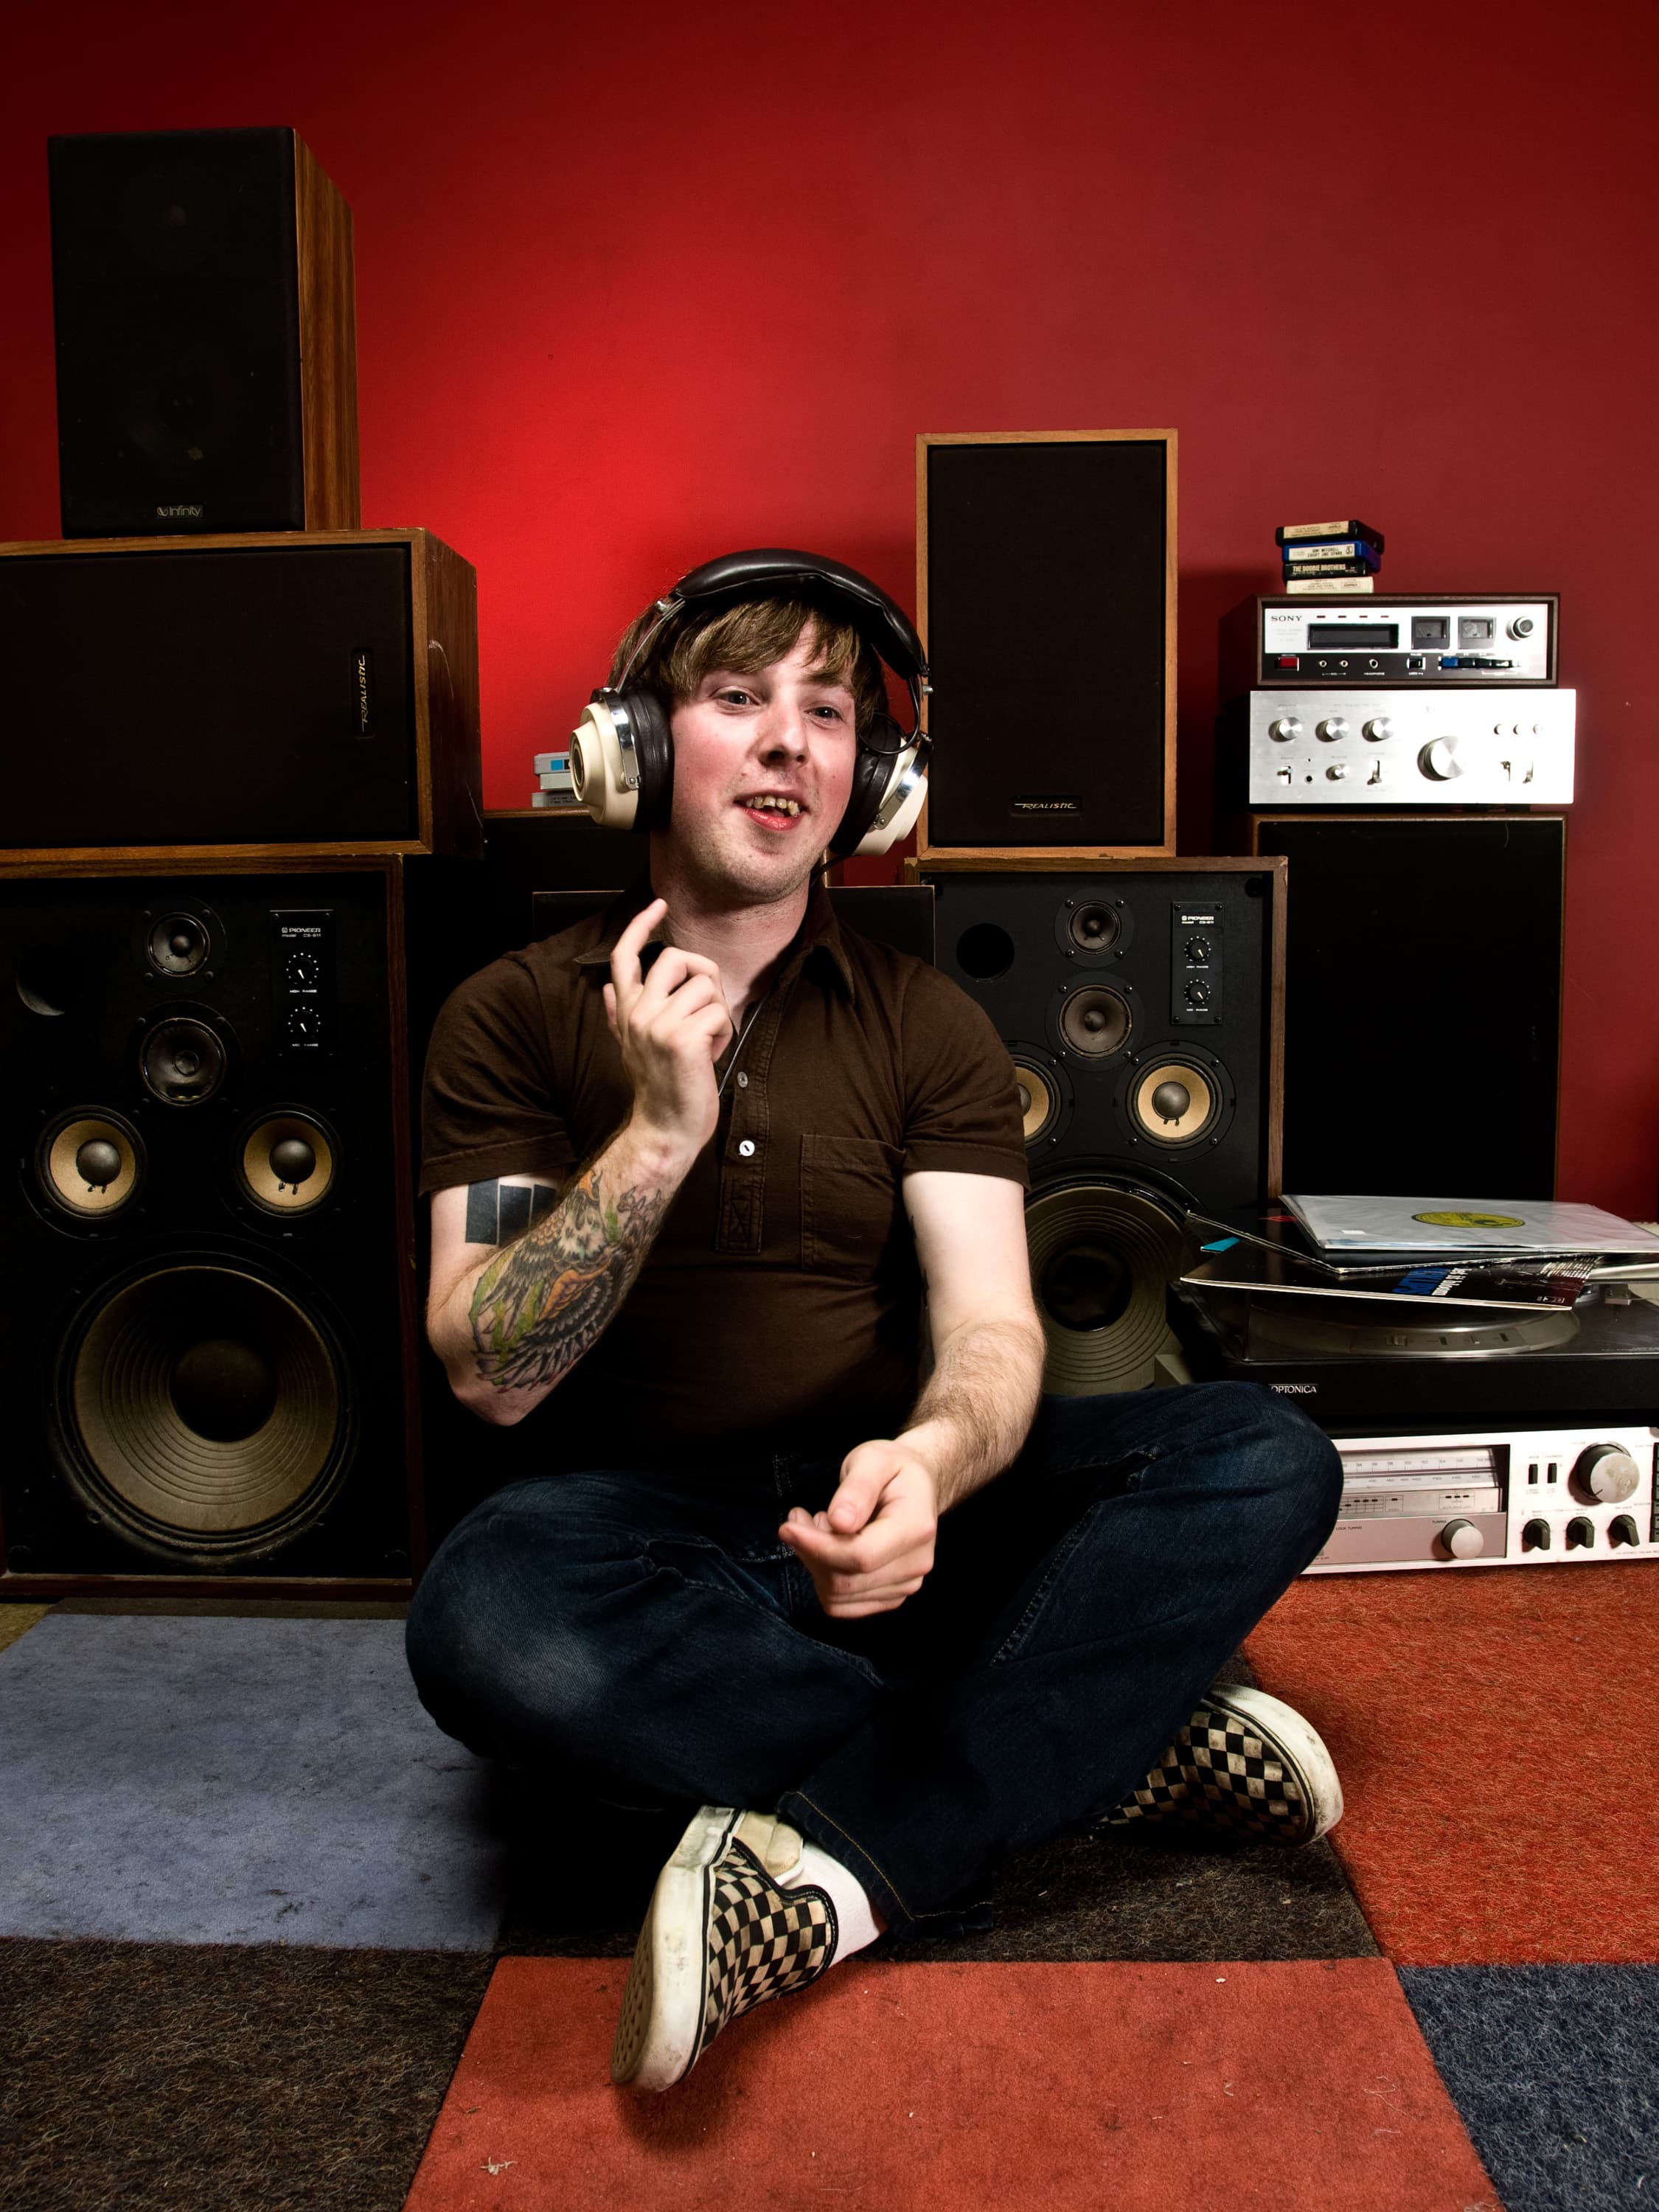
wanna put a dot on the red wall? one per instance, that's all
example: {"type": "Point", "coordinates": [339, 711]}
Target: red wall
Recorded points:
{"type": "Point", "coordinates": [636, 284]}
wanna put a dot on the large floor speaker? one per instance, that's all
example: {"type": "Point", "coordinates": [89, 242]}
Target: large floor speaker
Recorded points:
{"type": "Point", "coordinates": [1423, 1003]}
{"type": "Point", "coordinates": [207, 373]}
{"type": "Point", "coordinates": [239, 693]}
{"type": "Point", "coordinates": [1046, 591]}
{"type": "Point", "coordinates": [208, 1351]}
{"type": "Point", "coordinates": [1141, 1007]}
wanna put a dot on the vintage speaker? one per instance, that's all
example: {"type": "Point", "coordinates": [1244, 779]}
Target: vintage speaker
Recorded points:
{"type": "Point", "coordinates": [1422, 1002]}
{"type": "Point", "coordinates": [207, 368]}
{"type": "Point", "coordinates": [1141, 1010]}
{"type": "Point", "coordinates": [167, 700]}
{"type": "Point", "coordinates": [1046, 591]}
{"type": "Point", "coordinates": [209, 1348]}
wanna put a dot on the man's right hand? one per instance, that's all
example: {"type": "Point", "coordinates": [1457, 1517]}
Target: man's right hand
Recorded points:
{"type": "Point", "coordinates": [672, 1025]}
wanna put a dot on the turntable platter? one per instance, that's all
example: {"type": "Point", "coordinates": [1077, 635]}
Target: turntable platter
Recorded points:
{"type": "Point", "coordinates": [1401, 1332]}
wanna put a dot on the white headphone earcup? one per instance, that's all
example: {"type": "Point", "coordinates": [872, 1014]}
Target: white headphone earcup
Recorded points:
{"type": "Point", "coordinates": [597, 772]}
{"type": "Point", "coordinates": [899, 802]}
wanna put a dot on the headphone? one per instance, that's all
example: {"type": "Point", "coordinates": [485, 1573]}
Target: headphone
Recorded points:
{"type": "Point", "coordinates": [621, 752]}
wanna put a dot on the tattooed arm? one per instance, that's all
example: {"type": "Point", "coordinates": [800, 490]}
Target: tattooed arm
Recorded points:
{"type": "Point", "coordinates": [508, 1324]}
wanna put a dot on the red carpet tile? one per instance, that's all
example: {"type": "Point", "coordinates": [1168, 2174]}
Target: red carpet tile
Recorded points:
{"type": "Point", "coordinates": [966, 2088]}
{"type": "Point", "coordinates": [1495, 1734]}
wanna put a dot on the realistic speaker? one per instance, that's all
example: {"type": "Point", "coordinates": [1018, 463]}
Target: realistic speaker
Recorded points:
{"type": "Point", "coordinates": [166, 699]}
{"type": "Point", "coordinates": [1141, 1010]}
{"type": "Point", "coordinates": [1422, 1003]}
{"type": "Point", "coordinates": [209, 1347]}
{"type": "Point", "coordinates": [1046, 591]}
{"type": "Point", "coordinates": [207, 373]}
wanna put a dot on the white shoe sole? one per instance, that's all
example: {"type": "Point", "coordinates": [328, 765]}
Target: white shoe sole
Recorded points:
{"type": "Point", "coordinates": [1299, 1741]}
{"type": "Point", "coordinates": [664, 2003]}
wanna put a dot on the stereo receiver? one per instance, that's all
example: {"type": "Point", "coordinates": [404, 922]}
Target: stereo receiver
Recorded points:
{"type": "Point", "coordinates": [1497, 638]}
{"type": "Point", "coordinates": [1433, 747]}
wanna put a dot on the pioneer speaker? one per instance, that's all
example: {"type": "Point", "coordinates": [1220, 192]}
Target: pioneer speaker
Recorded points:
{"type": "Point", "coordinates": [208, 1354]}
{"type": "Point", "coordinates": [1423, 1003]}
{"type": "Point", "coordinates": [165, 699]}
{"type": "Point", "coordinates": [1140, 1011]}
{"type": "Point", "coordinates": [1046, 581]}
{"type": "Point", "coordinates": [207, 374]}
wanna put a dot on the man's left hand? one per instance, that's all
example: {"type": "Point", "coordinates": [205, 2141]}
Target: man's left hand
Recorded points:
{"type": "Point", "coordinates": [871, 1547]}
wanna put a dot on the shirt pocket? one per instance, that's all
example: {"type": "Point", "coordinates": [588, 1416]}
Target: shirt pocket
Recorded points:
{"type": "Point", "coordinates": [851, 1204]}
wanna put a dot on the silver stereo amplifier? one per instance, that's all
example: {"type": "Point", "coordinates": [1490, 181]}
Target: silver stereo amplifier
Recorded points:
{"type": "Point", "coordinates": [1430, 748]}
{"type": "Point", "coordinates": [1456, 638]}
{"type": "Point", "coordinates": [1494, 1497]}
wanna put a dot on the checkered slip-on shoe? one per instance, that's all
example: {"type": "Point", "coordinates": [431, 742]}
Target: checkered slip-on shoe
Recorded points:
{"type": "Point", "coordinates": [1245, 1762]}
{"type": "Point", "coordinates": [720, 1936]}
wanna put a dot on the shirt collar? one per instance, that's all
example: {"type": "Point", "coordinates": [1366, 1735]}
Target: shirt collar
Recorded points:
{"type": "Point", "coordinates": [819, 936]}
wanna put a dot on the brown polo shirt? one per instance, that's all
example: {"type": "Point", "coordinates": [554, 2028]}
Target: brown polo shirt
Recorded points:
{"type": "Point", "coordinates": [780, 1306]}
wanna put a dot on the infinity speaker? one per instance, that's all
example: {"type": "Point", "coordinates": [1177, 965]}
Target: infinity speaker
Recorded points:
{"type": "Point", "coordinates": [1046, 582]}
{"type": "Point", "coordinates": [208, 1349]}
{"type": "Point", "coordinates": [1140, 1010]}
{"type": "Point", "coordinates": [1423, 993]}
{"type": "Point", "coordinates": [207, 368]}
{"type": "Point", "coordinates": [319, 692]}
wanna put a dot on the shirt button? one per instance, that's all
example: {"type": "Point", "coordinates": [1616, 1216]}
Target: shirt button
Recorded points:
{"type": "Point", "coordinates": [743, 1082]}
{"type": "Point", "coordinates": [746, 1149]}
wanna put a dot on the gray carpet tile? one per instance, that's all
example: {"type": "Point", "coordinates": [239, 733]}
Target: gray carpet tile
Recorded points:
{"type": "Point", "coordinates": [1555, 2070]}
{"type": "Point", "coordinates": [214, 1779]}
{"type": "Point", "coordinates": [216, 2080]}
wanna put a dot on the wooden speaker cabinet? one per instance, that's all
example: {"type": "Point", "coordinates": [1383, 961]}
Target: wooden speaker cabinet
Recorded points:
{"type": "Point", "coordinates": [1046, 597]}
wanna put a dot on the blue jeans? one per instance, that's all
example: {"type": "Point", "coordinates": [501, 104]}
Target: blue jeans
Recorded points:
{"type": "Point", "coordinates": [648, 1636]}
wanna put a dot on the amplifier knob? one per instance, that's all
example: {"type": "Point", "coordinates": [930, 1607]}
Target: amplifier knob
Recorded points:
{"type": "Point", "coordinates": [1439, 760]}
{"type": "Point", "coordinates": [1378, 728]}
{"type": "Point", "coordinates": [1462, 1540]}
{"type": "Point", "coordinates": [1606, 1472]}
{"type": "Point", "coordinates": [1536, 1536]}
{"type": "Point", "coordinates": [1623, 1530]}
{"type": "Point", "coordinates": [1522, 626]}
{"type": "Point", "coordinates": [1581, 1533]}
{"type": "Point", "coordinates": [1287, 725]}
{"type": "Point", "coordinates": [1337, 770]}
{"type": "Point", "coordinates": [1332, 726]}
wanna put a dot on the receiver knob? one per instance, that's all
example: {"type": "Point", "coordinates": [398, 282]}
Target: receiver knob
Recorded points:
{"type": "Point", "coordinates": [1439, 760]}
{"type": "Point", "coordinates": [1337, 770]}
{"type": "Point", "coordinates": [1536, 1536]}
{"type": "Point", "coordinates": [1623, 1530]}
{"type": "Point", "coordinates": [1332, 726]}
{"type": "Point", "coordinates": [1581, 1533]}
{"type": "Point", "coordinates": [1462, 1540]}
{"type": "Point", "coordinates": [1285, 726]}
{"type": "Point", "coordinates": [1520, 627]}
{"type": "Point", "coordinates": [1606, 1472]}
{"type": "Point", "coordinates": [1378, 728]}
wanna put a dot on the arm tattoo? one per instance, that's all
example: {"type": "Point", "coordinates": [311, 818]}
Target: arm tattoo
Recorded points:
{"type": "Point", "coordinates": [543, 1301]}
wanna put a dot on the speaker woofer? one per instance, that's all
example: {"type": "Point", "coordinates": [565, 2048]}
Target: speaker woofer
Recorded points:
{"type": "Point", "coordinates": [1044, 1093]}
{"type": "Point", "coordinates": [1175, 1102]}
{"type": "Point", "coordinates": [1096, 1021]}
{"type": "Point", "coordinates": [1102, 1259]}
{"type": "Point", "coordinates": [90, 1163]}
{"type": "Point", "coordinates": [286, 1162]}
{"type": "Point", "coordinates": [207, 1412]}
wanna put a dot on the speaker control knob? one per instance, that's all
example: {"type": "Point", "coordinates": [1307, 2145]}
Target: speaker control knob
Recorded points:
{"type": "Point", "coordinates": [1286, 726]}
{"type": "Point", "coordinates": [1623, 1530]}
{"type": "Point", "coordinates": [1378, 728]}
{"type": "Point", "coordinates": [1198, 994]}
{"type": "Point", "coordinates": [1439, 761]}
{"type": "Point", "coordinates": [1581, 1533]}
{"type": "Point", "coordinates": [292, 1161]}
{"type": "Point", "coordinates": [1536, 1536]}
{"type": "Point", "coordinates": [1332, 726]}
{"type": "Point", "coordinates": [97, 1163]}
{"type": "Point", "coordinates": [1606, 1472]}
{"type": "Point", "coordinates": [1462, 1540]}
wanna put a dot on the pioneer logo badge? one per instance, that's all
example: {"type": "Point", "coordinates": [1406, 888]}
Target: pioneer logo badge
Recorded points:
{"type": "Point", "coordinates": [1065, 802]}
{"type": "Point", "coordinates": [362, 687]}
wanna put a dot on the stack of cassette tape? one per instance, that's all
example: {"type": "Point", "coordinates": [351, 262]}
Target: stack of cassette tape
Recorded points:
{"type": "Point", "coordinates": [1330, 558]}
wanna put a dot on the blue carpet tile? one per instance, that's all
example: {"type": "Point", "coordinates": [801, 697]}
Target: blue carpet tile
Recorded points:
{"type": "Point", "coordinates": [1554, 2069]}
{"type": "Point", "coordinates": [235, 1781]}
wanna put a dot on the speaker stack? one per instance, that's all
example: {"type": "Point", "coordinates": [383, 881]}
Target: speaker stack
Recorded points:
{"type": "Point", "coordinates": [225, 754]}
{"type": "Point", "coordinates": [1137, 992]}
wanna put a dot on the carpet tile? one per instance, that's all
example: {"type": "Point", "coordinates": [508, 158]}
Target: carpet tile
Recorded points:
{"type": "Point", "coordinates": [1553, 2070]}
{"type": "Point", "coordinates": [1494, 1734]}
{"type": "Point", "coordinates": [235, 1780]}
{"type": "Point", "coordinates": [1302, 2088]}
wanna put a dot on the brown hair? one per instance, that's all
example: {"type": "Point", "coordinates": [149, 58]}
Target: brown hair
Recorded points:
{"type": "Point", "coordinates": [745, 638]}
